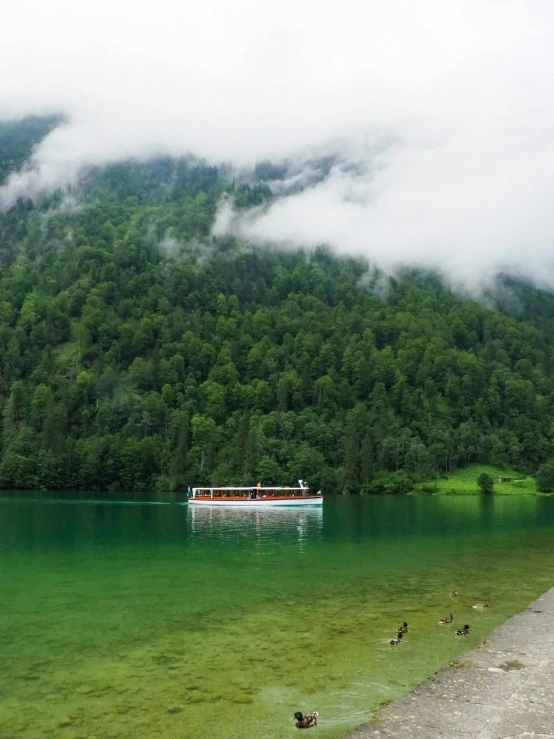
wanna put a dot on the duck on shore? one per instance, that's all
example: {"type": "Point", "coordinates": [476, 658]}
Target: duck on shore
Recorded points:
{"type": "Point", "coordinates": [464, 631]}
{"type": "Point", "coordinates": [396, 640]}
{"type": "Point", "coordinates": [447, 620]}
{"type": "Point", "coordinates": [307, 721]}
{"type": "Point", "coordinates": [453, 594]}
{"type": "Point", "coordinates": [403, 629]}
{"type": "Point", "coordinates": [481, 606]}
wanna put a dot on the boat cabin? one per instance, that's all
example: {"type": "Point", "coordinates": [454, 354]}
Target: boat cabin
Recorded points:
{"type": "Point", "coordinates": [256, 495]}
{"type": "Point", "coordinates": [250, 493]}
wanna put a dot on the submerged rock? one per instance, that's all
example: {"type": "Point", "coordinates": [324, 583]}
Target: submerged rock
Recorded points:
{"type": "Point", "coordinates": [243, 698]}
{"type": "Point", "coordinates": [84, 689]}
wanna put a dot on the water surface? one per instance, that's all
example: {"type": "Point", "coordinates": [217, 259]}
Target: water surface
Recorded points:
{"type": "Point", "coordinates": [144, 621]}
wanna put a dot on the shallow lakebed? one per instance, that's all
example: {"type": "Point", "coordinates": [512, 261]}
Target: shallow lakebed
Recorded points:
{"type": "Point", "coordinates": [143, 621]}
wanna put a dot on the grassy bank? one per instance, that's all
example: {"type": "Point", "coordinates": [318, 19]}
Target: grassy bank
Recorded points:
{"type": "Point", "coordinates": [464, 481]}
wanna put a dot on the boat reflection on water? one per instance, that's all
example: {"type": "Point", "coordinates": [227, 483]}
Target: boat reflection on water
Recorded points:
{"type": "Point", "coordinates": [285, 524]}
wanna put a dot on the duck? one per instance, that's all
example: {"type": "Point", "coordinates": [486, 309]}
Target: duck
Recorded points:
{"type": "Point", "coordinates": [453, 594]}
{"type": "Point", "coordinates": [396, 640]}
{"type": "Point", "coordinates": [464, 631]}
{"type": "Point", "coordinates": [481, 606]}
{"type": "Point", "coordinates": [307, 721]}
{"type": "Point", "coordinates": [448, 620]}
{"type": "Point", "coordinates": [403, 629]}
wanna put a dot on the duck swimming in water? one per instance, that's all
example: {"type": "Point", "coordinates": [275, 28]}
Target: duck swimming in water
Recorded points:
{"type": "Point", "coordinates": [447, 620]}
{"type": "Point", "coordinates": [481, 606]}
{"type": "Point", "coordinates": [307, 721]}
{"type": "Point", "coordinates": [464, 631]}
{"type": "Point", "coordinates": [396, 640]}
{"type": "Point", "coordinates": [453, 594]}
{"type": "Point", "coordinates": [403, 629]}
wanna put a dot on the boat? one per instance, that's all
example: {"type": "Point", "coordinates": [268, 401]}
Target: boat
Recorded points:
{"type": "Point", "coordinates": [257, 496]}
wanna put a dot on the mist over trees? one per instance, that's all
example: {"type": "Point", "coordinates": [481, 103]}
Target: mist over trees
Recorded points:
{"type": "Point", "coordinates": [17, 141]}
{"type": "Point", "coordinates": [137, 352]}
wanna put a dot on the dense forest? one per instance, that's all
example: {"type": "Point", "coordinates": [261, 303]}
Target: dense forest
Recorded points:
{"type": "Point", "coordinates": [138, 352]}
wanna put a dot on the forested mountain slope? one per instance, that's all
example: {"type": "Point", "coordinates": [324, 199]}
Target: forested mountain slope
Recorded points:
{"type": "Point", "coordinates": [17, 140]}
{"type": "Point", "coordinates": [138, 352]}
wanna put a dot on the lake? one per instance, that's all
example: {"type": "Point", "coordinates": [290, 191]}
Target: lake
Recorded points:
{"type": "Point", "coordinates": [141, 620]}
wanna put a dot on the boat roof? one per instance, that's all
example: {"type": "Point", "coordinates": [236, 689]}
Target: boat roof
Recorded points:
{"type": "Point", "coordinates": [252, 487]}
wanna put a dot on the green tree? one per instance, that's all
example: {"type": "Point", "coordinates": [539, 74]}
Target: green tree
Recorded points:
{"type": "Point", "coordinates": [268, 471]}
{"type": "Point", "coordinates": [392, 483]}
{"type": "Point", "coordinates": [486, 483]}
{"type": "Point", "coordinates": [545, 478]}
{"type": "Point", "coordinates": [203, 436]}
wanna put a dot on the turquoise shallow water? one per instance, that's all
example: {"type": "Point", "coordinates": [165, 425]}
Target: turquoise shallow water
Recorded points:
{"type": "Point", "coordinates": [133, 620]}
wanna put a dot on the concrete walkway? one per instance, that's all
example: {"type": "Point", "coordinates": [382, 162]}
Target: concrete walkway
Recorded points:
{"type": "Point", "coordinates": [502, 690]}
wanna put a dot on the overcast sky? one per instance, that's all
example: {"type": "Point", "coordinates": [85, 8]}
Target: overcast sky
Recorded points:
{"type": "Point", "coordinates": [445, 106]}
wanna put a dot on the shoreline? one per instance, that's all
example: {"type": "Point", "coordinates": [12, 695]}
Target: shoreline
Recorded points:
{"type": "Point", "coordinates": [478, 493]}
{"type": "Point", "coordinates": [502, 689]}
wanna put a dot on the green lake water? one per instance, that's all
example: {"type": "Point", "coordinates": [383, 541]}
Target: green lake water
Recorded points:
{"type": "Point", "coordinates": [146, 621]}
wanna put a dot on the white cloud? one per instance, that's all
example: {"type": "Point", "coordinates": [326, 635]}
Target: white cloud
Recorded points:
{"type": "Point", "coordinates": [445, 107]}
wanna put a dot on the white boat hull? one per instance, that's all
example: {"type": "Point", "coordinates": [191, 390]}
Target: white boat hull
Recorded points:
{"type": "Point", "coordinates": [311, 500]}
